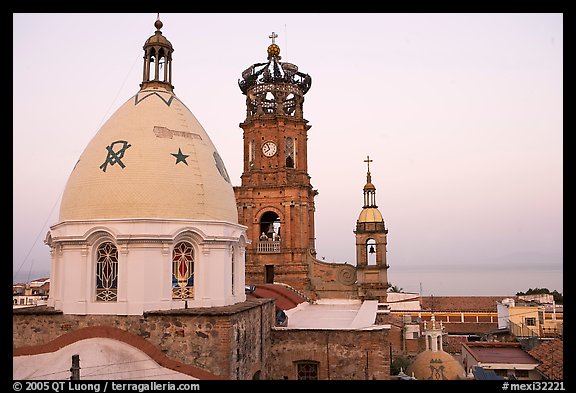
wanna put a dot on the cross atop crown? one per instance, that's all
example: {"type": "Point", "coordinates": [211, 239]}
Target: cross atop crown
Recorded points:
{"type": "Point", "coordinates": [273, 36]}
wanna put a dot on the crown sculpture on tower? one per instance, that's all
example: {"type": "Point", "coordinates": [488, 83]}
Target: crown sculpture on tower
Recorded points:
{"type": "Point", "coordinates": [274, 87]}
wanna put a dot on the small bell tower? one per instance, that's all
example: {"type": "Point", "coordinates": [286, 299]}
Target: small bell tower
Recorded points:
{"type": "Point", "coordinates": [371, 266]}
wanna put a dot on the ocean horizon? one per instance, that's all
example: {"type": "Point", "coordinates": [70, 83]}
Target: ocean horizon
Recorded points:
{"type": "Point", "coordinates": [489, 280]}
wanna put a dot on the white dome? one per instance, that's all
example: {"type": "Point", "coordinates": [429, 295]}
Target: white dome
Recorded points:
{"type": "Point", "coordinates": [151, 159]}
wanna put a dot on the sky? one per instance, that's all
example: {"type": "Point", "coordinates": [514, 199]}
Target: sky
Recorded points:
{"type": "Point", "coordinates": [461, 113]}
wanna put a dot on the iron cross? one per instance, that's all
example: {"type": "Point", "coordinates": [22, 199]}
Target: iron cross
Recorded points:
{"type": "Point", "coordinates": [273, 36]}
{"type": "Point", "coordinates": [368, 160]}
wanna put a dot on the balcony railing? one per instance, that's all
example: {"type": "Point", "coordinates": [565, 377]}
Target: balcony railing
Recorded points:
{"type": "Point", "coordinates": [521, 330]}
{"type": "Point", "coordinates": [269, 247]}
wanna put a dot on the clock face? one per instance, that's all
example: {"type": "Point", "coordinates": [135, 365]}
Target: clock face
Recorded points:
{"type": "Point", "coordinates": [269, 149]}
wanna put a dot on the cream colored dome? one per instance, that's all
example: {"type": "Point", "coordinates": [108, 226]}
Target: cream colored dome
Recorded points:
{"type": "Point", "coordinates": [151, 159]}
{"type": "Point", "coordinates": [436, 365]}
{"type": "Point", "coordinates": [370, 214]}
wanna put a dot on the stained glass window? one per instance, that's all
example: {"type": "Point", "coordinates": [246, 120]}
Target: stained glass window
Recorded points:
{"type": "Point", "coordinates": [183, 271]}
{"type": "Point", "coordinates": [307, 370]}
{"type": "Point", "coordinates": [107, 273]}
{"type": "Point", "coordinates": [251, 149]}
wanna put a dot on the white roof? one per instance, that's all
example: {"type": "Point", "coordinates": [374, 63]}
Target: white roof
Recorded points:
{"type": "Point", "coordinates": [334, 314]}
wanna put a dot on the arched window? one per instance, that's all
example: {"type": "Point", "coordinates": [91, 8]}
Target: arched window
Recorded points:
{"type": "Point", "coordinates": [152, 72]}
{"type": "Point", "coordinates": [371, 252]}
{"type": "Point", "coordinates": [251, 150]}
{"type": "Point", "coordinates": [183, 271]}
{"type": "Point", "coordinates": [269, 233]}
{"type": "Point", "coordinates": [290, 153]}
{"type": "Point", "coordinates": [270, 225]}
{"type": "Point", "coordinates": [107, 272]}
{"type": "Point", "coordinates": [233, 267]}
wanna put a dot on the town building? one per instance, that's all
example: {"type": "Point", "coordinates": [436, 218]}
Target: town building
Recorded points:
{"type": "Point", "coordinates": [536, 317]}
{"type": "Point", "coordinates": [550, 354]}
{"type": "Point", "coordinates": [506, 359]}
{"type": "Point", "coordinates": [33, 293]}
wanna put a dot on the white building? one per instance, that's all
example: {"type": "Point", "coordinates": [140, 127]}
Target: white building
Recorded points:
{"type": "Point", "coordinates": [148, 218]}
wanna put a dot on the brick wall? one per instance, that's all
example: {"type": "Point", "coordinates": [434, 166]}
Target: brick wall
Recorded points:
{"type": "Point", "coordinates": [341, 354]}
{"type": "Point", "coordinates": [231, 341]}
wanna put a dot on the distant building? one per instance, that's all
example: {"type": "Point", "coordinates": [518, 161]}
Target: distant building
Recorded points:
{"type": "Point", "coordinates": [531, 318]}
{"type": "Point", "coordinates": [34, 293]}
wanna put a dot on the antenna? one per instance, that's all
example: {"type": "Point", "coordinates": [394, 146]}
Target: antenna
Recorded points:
{"type": "Point", "coordinates": [285, 42]}
{"type": "Point", "coordinates": [29, 272]}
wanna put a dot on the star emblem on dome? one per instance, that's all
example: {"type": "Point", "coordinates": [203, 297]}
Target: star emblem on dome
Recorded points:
{"type": "Point", "coordinates": [180, 157]}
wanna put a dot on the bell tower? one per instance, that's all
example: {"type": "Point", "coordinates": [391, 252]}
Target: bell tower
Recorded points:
{"type": "Point", "coordinates": [371, 266]}
{"type": "Point", "coordinates": [275, 199]}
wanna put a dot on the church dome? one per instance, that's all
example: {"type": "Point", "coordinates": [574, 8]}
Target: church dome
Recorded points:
{"type": "Point", "coordinates": [151, 159]}
{"type": "Point", "coordinates": [370, 214]}
{"type": "Point", "coordinates": [438, 365]}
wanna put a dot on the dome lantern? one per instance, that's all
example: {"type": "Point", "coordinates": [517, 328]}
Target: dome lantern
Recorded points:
{"type": "Point", "coordinates": [370, 212]}
{"type": "Point", "coordinates": [157, 60]}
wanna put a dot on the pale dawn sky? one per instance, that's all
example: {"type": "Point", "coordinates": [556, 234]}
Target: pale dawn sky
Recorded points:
{"type": "Point", "coordinates": [461, 113]}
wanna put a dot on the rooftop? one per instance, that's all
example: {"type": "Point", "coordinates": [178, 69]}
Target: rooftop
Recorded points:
{"type": "Point", "coordinates": [285, 296]}
{"type": "Point", "coordinates": [498, 352]}
{"type": "Point", "coordinates": [334, 314]}
{"type": "Point", "coordinates": [550, 353]}
{"type": "Point", "coordinates": [470, 327]}
{"type": "Point", "coordinates": [462, 303]}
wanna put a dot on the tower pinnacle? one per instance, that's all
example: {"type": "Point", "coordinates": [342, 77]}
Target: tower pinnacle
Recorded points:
{"type": "Point", "coordinates": [157, 72]}
{"type": "Point", "coordinates": [368, 177]}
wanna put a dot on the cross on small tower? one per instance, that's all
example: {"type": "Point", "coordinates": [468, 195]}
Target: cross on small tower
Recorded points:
{"type": "Point", "coordinates": [368, 160]}
{"type": "Point", "coordinates": [273, 36]}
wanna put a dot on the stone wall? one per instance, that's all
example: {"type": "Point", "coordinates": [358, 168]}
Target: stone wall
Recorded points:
{"type": "Point", "coordinates": [333, 280]}
{"type": "Point", "coordinates": [401, 346]}
{"type": "Point", "coordinates": [340, 354]}
{"type": "Point", "coordinates": [231, 341]}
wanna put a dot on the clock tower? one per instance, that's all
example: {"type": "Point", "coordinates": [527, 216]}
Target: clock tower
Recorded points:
{"type": "Point", "coordinates": [276, 200]}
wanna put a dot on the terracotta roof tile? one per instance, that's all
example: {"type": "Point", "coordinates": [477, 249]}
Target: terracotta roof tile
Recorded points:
{"type": "Point", "coordinates": [285, 298]}
{"type": "Point", "coordinates": [469, 327]}
{"type": "Point", "coordinates": [551, 356]}
{"type": "Point", "coordinates": [461, 303]}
